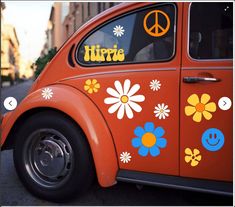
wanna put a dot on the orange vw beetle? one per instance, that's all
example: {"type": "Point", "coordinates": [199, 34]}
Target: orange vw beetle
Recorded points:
{"type": "Point", "coordinates": [142, 93]}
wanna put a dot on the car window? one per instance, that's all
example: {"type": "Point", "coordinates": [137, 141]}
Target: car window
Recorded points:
{"type": "Point", "coordinates": [211, 31]}
{"type": "Point", "coordinates": [147, 35]}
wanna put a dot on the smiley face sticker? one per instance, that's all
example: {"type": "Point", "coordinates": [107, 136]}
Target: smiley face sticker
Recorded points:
{"type": "Point", "coordinates": [213, 139]}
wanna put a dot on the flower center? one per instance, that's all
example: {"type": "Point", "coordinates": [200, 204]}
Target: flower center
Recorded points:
{"type": "Point", "coordinates": [124, 99]}
{"type": "Point", "coordinates": [200, 107]}
{"type": "Point", "coordinates": [161, 111]}
{"type": "Point", "coordinates": [148, 139]}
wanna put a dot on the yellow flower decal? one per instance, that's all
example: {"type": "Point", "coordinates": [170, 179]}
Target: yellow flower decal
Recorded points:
{"type": "Point", "coordinates": [91, 86]}
{"type": "Point", "coordinates": [193, 157]}
{"type": "Point", "coordinates": [200, 107]}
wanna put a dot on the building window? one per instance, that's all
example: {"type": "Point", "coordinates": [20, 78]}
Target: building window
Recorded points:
{"type": "Point", "coordinates": [99, 7]}
{"type": "Point", "coordinates": [103, 46]}
{"type": "Point", "coordinates": [211, 36]}
{"type": "Point", "coordinates": [89, 8]}
{"type": "Point", "coordinates": [82, 12]}
{"type": "Point", "coordinates": [111, 4]}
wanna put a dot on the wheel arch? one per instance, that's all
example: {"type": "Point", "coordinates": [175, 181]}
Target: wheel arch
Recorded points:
{"type": "Point", "coordinates": [86, 116]}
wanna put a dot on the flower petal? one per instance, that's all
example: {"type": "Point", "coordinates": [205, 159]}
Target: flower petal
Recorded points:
{"type": "Point", "coordinates": [139, 132]}
{"type": "Point", "coordinates": [188, 151]}
{"type": "Point", "coordinates": [121, 111]}
{"type": "Point", "coordinates": [207, 115]}
{"type": "Point", "coordinates": [197, 117]}
{"type": "Point", "coordinates": [154, 151]}
{"type": "Point", "coordinates": [136, 142]}
{"type": "Point", "coordinates": [133, 90]}
{"type": "Point", "coordinates": [114, 107]}
{"type": "Point", "coordinates": [137, 98]}
{"type": "Point", "coordinates": [196, 152]}
{"type": "Point", "coordinates": [111, 100]}
{"type": "Point", "coordinates": [149, 127]}
{"type": "Point", "coordinates": [94, 81]}
{"type": "Point", "coordinates": [136, 107]}
{"type": "Point", "coordinates": [143, 151]}
{"type": "Point", "coordinates": [127, 85]}
{"type": "Point", "coordinates": [129, 112]}
{"type": "Point", "coordinates": [86, 87]}
{"type": "Point", "coordinates": [198, 158]}
{"type": "Point", "coordinates": [88, 82]}
{"type": "Point", "coordinates": [205, 98]}
{"type": "Point", "coordinates": [118, 86]}
{"type": "Point", "coordinates": [193, 99]}
{"type": "Point", "coordinates": [95, 90]}
{"type": "Point", "coordinates": [187, 158]}
{"type": "Point", "coordinates": [211, 107]}
{"type": "Point", "coordinates": [97, 85]}
{"type": "Point", "coordinates": [194, 163]}
{"type": "Point", "coordinates": [90, 90]}
{"type": "Point", "coordinates": [161, 142]}
{"type": "Point", "coordinates": [112, 92]}
{"type": "Point", "coordinates": [189, 110]}
{"type": "Point", "coordinates": [159, 132]}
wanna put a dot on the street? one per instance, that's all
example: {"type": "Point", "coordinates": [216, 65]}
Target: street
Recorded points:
{"type": "Point", "coordinates": [13, 192]}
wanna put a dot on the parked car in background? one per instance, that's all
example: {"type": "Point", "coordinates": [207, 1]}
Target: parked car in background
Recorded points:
{"type": "Point", "coordinates": [142, 93]}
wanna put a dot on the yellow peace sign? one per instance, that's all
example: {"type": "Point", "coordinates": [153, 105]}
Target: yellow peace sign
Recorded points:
{"type": "Point", "coordinates": [156, 25]}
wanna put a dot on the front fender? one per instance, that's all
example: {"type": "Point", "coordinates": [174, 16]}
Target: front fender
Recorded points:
{"type": "Point", "coordinates": [83, 111]}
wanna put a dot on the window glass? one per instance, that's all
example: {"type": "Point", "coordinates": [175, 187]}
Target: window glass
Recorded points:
{"type": "Point", "coordinates": [211, 31]}
{"type": "Point", "coordinates": [143, 36]}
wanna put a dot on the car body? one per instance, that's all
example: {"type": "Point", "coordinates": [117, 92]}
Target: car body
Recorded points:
{"type": "Point", "coordinates": [153, 100]}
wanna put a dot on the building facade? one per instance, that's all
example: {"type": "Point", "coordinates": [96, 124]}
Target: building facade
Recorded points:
{"type": "Point", "coordinates": [67, 17]}
{"type": "Point", "coordinates": [10, 55]}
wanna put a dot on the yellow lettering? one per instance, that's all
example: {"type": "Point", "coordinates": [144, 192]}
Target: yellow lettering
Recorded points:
{"type": "Point", "coordinates": [95, 53]}
{"type": "Point", "coordinates": [121, 55]}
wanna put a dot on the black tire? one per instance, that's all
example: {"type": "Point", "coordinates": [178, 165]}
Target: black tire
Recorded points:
{"type": "Point", "coordinates": [42, 152]}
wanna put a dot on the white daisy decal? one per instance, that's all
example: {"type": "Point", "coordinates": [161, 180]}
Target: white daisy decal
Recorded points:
{"type": "Point", "coordinates": [162, 111]}
{"type": "Point", "coordinates": [125, 157]}
{"type": "Point", "coordinates": [123, 99]}
{"type": "Point", "coordinates": [155, 85]}
{"type": "Point", "coordinates": [118, 31]}
{"type": "Point", "coordinates": [47, 93]}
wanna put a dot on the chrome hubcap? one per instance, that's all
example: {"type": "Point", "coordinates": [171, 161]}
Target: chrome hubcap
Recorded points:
{"type": "Point", "coordinates": [48, 157]}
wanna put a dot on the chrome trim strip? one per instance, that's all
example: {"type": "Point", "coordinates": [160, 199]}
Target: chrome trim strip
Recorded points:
{"type": "Point", "coordinates": [191, 58]}
{"type": "Point", "coordinates": [138, 181]}
{"type": "Point", "coordinates": [116, 72]}
{"type": "Point", "coordinates": [208, 68]}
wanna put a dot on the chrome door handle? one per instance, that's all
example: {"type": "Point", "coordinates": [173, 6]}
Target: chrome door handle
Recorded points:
{"type": "Point", "coordinates": [200, 79]}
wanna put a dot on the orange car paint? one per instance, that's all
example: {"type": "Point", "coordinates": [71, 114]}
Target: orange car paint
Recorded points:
{"type": "Point", "coordinates": [109, 137]}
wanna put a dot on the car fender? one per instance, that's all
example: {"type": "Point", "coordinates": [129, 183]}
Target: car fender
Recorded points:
{"type": "Point", "coordinates": [85, 113]}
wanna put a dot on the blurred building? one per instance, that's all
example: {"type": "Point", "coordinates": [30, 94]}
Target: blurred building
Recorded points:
{"type": "Point", "coordinates": [67, 17]}
{"type": "Point", "coordinates": [10, 55]}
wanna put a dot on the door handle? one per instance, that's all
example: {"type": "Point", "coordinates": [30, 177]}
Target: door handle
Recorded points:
{"type": "Point", "coordinates": [200, 79]}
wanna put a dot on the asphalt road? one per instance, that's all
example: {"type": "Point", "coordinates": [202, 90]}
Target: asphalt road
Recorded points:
{"type": "Point", "coordinates": [13, 193]}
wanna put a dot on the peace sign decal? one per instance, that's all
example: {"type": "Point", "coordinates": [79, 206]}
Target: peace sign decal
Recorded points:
{"type": "Point", "coordinates": [156, 29]}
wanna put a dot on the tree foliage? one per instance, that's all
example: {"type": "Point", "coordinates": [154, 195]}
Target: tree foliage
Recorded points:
{"type": "Point", "coordinates": [42, 61]}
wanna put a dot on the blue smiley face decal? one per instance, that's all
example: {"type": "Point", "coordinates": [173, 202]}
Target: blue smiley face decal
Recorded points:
{"type": "Point", "coordinates": [213, 139]}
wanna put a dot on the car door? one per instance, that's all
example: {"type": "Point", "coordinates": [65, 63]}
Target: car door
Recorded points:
{"type": "Point", "coordinates": [131, 67]}
{"type": "Point", "coordinates": [206, 140]}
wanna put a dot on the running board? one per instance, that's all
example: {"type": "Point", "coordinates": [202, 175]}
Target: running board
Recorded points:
{"type": "Point", "coordinates": [216, 187]}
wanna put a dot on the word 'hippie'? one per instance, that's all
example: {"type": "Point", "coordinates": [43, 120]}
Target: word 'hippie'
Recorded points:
{"type": "Point", "coordinates": [95, 53]}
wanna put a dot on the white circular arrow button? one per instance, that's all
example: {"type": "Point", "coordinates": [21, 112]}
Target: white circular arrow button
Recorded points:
{"type": "Point", "coordinates": [10, 103]}
{"type": "Point", "coordinates": [225, 103]}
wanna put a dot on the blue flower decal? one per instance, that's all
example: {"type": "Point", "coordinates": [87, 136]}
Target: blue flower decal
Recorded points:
{"type": "Point", "coordinates": [149, 139]}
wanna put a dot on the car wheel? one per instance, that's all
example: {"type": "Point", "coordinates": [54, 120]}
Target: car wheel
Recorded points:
{"type": "Point", "coordinates": [52, 157]}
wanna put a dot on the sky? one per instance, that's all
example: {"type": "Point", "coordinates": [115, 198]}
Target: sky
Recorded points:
{"type": "Point", "coordinates": [30, 20]}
